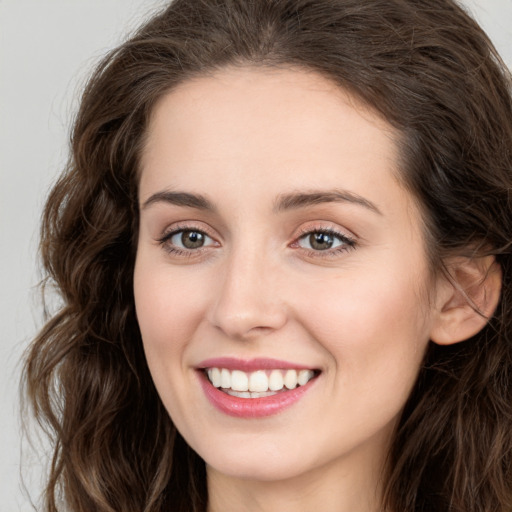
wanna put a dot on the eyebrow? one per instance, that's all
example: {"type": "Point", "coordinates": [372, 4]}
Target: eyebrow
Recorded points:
{"type": "Point", "coordinates": [303, 199]}
{"type": "Point", "coordinates": [284, 202]}
{"type": "Point", "coordinates": [180, 199]}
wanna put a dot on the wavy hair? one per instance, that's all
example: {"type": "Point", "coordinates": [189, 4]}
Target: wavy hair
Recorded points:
{"type": "Point", "coordinates": [428, 69]}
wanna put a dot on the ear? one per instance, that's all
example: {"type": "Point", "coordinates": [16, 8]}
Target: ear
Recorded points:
{"type": "Point", "coordinates": [466, 297]}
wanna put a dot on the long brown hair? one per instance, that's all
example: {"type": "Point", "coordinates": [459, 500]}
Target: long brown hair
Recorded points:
{"type": "Point", "coordinates": [428, 69]}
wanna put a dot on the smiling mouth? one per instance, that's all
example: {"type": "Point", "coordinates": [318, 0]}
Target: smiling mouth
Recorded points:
{"type": "Point", "coordinates": [259, 383]}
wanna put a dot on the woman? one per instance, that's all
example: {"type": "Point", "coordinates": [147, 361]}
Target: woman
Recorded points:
{"type": "Point", "coordinates": [283, 247]}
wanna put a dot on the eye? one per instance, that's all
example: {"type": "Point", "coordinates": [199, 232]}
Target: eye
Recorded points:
{"type": "Point", "coordinates": [186, 240]}
{"type": "Point", "coordinates": [321, 240]}
{"type": "Point", "coordinates": [190, 239]}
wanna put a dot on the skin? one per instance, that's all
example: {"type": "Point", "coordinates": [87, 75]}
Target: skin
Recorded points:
{"type": "Point", "coordinates": [363, 315]}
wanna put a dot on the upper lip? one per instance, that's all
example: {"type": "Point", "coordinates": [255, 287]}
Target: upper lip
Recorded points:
{"type": "Point", "coordinates": [248, 365]}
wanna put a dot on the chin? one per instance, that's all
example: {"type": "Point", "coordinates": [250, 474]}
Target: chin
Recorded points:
{"type": "Point", "coordinates": [260, 471]}
{"type": "Point", "coordinates": [257, 463]}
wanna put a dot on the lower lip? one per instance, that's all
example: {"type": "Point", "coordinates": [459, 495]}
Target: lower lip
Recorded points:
{"type": "Point", "coordinates": [252, 407]}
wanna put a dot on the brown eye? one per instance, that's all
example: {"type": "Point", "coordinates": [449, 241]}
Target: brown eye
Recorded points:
{"type": "Point", "coordinates": [321, 241]}
{"type": "Point", "coordinates": [325, 240]}
{"type": "Point", "coordinates": [192, 239]}
{"type": "Point", "coordinates": [188, 239]}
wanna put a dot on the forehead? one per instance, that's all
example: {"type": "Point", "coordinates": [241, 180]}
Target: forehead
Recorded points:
{"type": "Point", "coordinates": [288, 128]}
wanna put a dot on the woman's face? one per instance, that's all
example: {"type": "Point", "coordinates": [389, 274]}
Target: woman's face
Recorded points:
{"type": "Point", "coordinates": [277, 244]}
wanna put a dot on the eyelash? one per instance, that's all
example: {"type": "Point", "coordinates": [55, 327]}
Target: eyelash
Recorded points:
{"type": "Point", "coordinates": [347, 243]}
{"type": "Point", "coordinates": [164, 241]}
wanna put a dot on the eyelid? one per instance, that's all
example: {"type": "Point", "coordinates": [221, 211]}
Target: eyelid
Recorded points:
{"type": "Point", "coordinates": [171, 234]}
{"type": "Point", "coordinates": [171, 230]}
{"type": "Point", "coordinates": [349, 240]}
{"type": "Point", "coordinates": [169, 238]}
{"type": "Point", "coordinates": [325, 227]}
{"type": "Point", "coordinates": [336, 234]}
{"type": "Point", "coordinates": [183, 252]}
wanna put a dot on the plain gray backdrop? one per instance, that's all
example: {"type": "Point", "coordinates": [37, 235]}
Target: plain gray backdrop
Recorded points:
{"type": "Point", "coordinates": [47, 49]}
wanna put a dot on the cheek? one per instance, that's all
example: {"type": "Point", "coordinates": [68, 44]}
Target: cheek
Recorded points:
{"type": "Point", "coordinates": [168, 309]}
{"type": "Point", "coordinates": [168, 312]}
{"type": "Point", "coordinates": [375, 334]}
{"type": "Point", "coordinates": [375, 327]}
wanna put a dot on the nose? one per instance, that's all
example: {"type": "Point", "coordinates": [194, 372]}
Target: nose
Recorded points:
{"type": "Point", "coordinates": [248, 301]}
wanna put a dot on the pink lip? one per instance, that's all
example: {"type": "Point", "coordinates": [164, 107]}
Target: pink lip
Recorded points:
{"type": "Point", "coordinates": [251, 407]}
{"type": "Point", "coordinates": [261, 363]}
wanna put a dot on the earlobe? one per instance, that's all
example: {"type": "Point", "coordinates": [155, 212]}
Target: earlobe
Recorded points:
{"type": "Point", "coordinates": [466, 299]}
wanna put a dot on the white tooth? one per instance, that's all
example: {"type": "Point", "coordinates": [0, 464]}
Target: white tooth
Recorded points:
{"type": "Point", "coordinates": [262, 395]}
{"type": "Point", "coordinates": [239, 381]}
{"type": "Point", "coordinates": [225, 378]}
{"type": "Point", "coordinates": [305, 376]}
{"type": "Point", "coordinates": [276, 381]}
{"type": "Point", "coordinates": [290, 379]}
{"type": "Point", "coordinates": [214, 374]}
{"type": "Point", "coordinates": [239, 394]}
{"type": "Point", "coordinates": [258, 381]}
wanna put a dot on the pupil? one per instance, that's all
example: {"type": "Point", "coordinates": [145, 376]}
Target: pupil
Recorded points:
{"type": "Point", "coordinates": [321, 241]}
{"type": "Point", "coordinates": [192, 239]}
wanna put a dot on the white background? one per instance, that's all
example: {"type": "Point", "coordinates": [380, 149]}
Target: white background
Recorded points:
{"type": "Point", "coordinates": [47, 48]}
